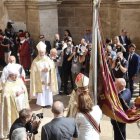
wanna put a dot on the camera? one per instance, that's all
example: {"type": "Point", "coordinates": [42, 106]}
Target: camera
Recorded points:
{"type": "Point", "coordinates": [118, 62]}
{"type": "Point", "coordinates": [30, 130]}
{"type": "Point", "coordinates": [75, 49]}
{"type": "Point", "coordinates": [118, 59]}
{"type": "Point", "coordinates": [55, 59]}
{"type": "Point", "coordinates": [108, 54]}
{"type": "Point", "coordinates": [39, 115]}
{"type": "Point", "coordinates": [59, 45]}
{"type": "Point", "coordinates": [81, 50]}
{"type": "Point", "coordinates": [29, 126]}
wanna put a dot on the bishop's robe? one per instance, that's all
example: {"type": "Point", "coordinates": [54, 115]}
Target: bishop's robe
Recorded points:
{"type": "Point", "coordinates": [14, 98]}
{"type": "Point", "coordinates": [43, 84]}
{"type": "Point", "coordinates": [73, 105]}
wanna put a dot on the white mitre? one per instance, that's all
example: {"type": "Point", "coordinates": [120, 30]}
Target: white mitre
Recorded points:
{"type": "Point", "coordinates": [81, 80]}
{"type": "Point", "coordinates": [12, 69]}
{"type": "Point", "coordinates": [41, 46]}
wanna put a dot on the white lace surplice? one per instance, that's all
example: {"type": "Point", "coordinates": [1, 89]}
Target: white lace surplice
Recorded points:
{"type": "Point", "coordinates": [45, 98]}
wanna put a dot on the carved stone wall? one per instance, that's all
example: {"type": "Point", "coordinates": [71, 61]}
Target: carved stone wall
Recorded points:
{"type": "Point", "coordinates": [117, 15]}
{"type": "Point", "coordinates": [130, 19]}
{"type": "Point", "coordinates": [75, 15]}
{"type": "Point", "coordinates": [36, 16]}
{"type": "Point", "coordinates": [50, 16]}
{"type": "Point", "coordinates": [16, 12]}
{"type": "Point", "coordinates": [109, 17]}
{"type": "Point", "coordinates": [3, 15]}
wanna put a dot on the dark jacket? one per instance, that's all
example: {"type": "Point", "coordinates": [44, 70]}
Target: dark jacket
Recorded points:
{"type": "Point", "coordinates": [60, 129]}
{"type": "Point", "coordinates": [133, 65]}
{"type": "Point", "coordinates": [127, 40]}
{"type": "Point", "coordinates": [125, 97]}
{"type": "Point", "coordinates": [17, 124]}
{"type": "Point", "coordinates": [48, 46]}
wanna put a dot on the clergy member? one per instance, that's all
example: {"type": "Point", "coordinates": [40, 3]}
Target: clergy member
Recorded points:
{"type": "Point", "coordinates": [4, 76]}
{"type": "Point", "coordinates": [24, 53]}
{"type": "Point", "coordinates": [82, 83]}
{"type": "Point", "coordinates": [14, 99]}
{"type": "Point", "coordinates": [43, 78]}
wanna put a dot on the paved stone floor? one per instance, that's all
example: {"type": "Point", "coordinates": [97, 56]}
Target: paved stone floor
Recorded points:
{"type": "Point", "coordinates": [133, 132]}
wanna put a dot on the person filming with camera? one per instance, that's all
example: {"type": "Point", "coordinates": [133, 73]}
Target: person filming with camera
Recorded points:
{"type": "Point", "coordinates": [24, 126]}
{"type": "Point", "coordinates": [120, 66]}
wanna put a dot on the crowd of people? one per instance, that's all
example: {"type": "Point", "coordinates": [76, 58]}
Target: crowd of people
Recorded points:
{"type": "Point", "coordinates": [50, 68]}
{"type": "Point", "coordinates": [122, 59]}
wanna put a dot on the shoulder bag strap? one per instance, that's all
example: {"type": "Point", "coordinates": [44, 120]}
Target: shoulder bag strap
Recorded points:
{"type": "Point", "coordinates": [93, 122]}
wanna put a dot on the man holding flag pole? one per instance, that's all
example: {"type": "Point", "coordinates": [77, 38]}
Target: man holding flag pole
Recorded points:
{"type": "Point", "coordinates": [106, 92]}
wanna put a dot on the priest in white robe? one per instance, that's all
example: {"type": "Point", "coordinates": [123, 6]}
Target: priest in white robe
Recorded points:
{"type": "Point", "coordinates": [4, 76]}
{"type": "Point", "coordinates": [14, 98]}
{"type": "Point", "coordinates": [43, 79]}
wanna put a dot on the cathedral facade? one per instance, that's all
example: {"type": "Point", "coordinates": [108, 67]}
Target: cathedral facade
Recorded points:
{"type": "Point", "coordinates": [52, 16]}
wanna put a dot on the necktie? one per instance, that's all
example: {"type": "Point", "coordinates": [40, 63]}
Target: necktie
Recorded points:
{"type": "Point", "coordinates": [123, 39]}
{"type": "Point", "coordinates": [130, 58]}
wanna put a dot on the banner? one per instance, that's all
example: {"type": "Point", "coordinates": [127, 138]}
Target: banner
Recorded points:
{"type": "Point", "coordinates": [107, 95]}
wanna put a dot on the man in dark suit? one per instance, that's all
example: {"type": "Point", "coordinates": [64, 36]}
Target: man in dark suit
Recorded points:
{"type": "Point", "coordinates": [124, 40]}
{"type": "Point", "coordinates": [125, 97]}
{"type": "Point", "coordinates": [48, 44]}
{"type": "Point", "coordinates": [60, 128]}
{"type": "Point", "coordinates": [133, 65]}
{"type": "Point", "coordinates": [66, 66]}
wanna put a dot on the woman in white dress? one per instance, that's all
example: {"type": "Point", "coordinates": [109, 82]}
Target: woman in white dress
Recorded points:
{"type": "Point", "coordinates": [86, 129]}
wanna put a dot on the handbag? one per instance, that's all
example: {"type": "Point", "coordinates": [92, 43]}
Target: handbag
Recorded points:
{"type": "Point", "coordinates": [93, 122]}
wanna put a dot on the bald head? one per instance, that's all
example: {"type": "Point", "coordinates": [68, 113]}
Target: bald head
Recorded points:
{"type": "Point", "coordinates": [58, 108]}
{"type": "Point", "coordinates": [12, 59]}
{"type": "Point", "coordinates": [53, 53]}
{"type": "Point", "coordinates": [108, 48]}
{"type": "Point", "coordinates": [120, 83]}
{"type": "Point", "coordinates": [53, 50]}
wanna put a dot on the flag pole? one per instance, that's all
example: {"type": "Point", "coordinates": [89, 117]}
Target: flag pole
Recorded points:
{"type": "Point", "coordinates": [96, 4]}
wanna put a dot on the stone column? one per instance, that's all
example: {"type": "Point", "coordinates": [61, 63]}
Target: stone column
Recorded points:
{"type": "Point", "coordinates": [129, 11]}
{"type": "Point", "coordinates": [42, 18]}
{"type": "Point", "coordinates": [75, 15]}
{"type": "Point", "coordinates": [109, 16]}
{"type": "Point", "coordinates": [16, 12]}
{"type": "Point", "coordinates": [36, 16]}
{"type": "Point", "coordinates": [3, 15]}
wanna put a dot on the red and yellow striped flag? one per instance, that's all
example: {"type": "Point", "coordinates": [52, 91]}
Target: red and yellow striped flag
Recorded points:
{"type": "Point", "coordinates": [107, 95]}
